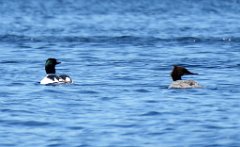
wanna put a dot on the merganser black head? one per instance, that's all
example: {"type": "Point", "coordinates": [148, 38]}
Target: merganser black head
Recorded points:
{"type": "Point", "coordinates": [179, 71]}
{"type": "Point", "coordinates": [50, 65]}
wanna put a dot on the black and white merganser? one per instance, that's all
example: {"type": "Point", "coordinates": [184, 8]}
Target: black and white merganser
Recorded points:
{"type": "Point", "coordinates": [51, 77]}
{"type": "Point", "coordinates": [177, 73]}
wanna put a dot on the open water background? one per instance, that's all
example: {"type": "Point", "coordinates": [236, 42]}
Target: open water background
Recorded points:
{"type": "Point", "coordinates": [119, 54]}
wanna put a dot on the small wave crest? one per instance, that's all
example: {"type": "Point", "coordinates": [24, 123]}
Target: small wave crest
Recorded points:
{"type": "Point", "coordinates": [151, 113]}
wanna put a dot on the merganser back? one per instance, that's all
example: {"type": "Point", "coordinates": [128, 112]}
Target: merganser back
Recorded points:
{"type": "Point", "coordinates": [177, 73]}
{"type": "Point", "coordinates": [51, 77]}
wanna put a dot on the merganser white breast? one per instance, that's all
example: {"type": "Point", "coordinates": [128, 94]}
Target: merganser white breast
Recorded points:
{"type": "Point", "coordinates": [184, 84]}
{"type": "Point", "coordinates": [177, 74]}
{"type": "Point", "coordinates": [51, 77]}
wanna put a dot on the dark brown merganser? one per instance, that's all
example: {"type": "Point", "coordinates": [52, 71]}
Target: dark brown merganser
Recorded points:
{"type": "Point", "coordinates": [51, 77]}
{"type": "Point", "coordinates": [177, 73]}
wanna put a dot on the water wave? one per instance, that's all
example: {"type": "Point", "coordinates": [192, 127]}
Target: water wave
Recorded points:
{"type": "Point", "coordinates": [115, 39]}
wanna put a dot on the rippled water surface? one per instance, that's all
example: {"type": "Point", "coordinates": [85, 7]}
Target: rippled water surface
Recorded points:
{"type": "Point", "coordinates": [119, 54]}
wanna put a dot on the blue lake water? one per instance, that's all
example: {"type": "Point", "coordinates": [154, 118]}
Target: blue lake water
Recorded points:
{"type": "Point", "coordinates": [120, 54]}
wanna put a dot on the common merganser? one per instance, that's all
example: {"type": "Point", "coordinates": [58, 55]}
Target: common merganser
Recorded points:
{"type": "Point", "coordinates": [177, 73]}
{"type": "Point", "coordinates": [51, 77]}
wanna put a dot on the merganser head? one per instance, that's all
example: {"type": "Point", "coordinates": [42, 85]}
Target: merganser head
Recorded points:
{"type": "Point", "coordinates": [179, 71]}
{"type": "Point", "coordinates": [50, 65]}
